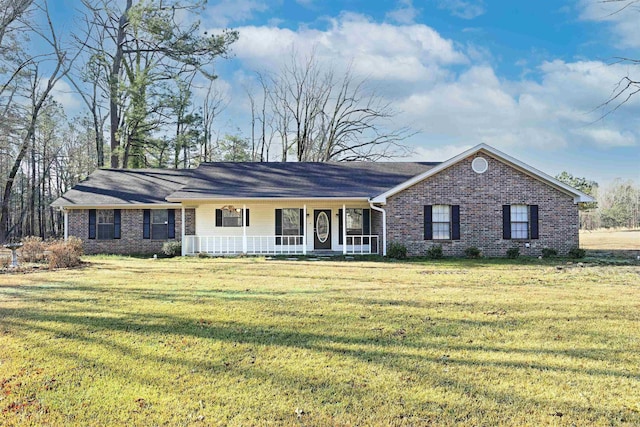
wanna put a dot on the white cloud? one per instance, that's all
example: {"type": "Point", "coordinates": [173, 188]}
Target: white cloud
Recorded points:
{"type": "Point", "coordinates": [553, 113]}
{"type": "Point", "coordinates": [453, 96]}
{"type": "Point", "coordinates": [463, 9]}
{"type": "Point", "coordinates": [439, 153]}
{"type": "Point", "coordinates": [406, 53]}
{"type": "Point", "coordinates": [608, 138]}
{"type": "Point", "coordinates": [228, 12]}
{"type": "Point", "coordinates": [405, 13]}
{"type": "Point", "coordinates": [63, 93]}
{"type": "Point", "coordinates": [622, 16]}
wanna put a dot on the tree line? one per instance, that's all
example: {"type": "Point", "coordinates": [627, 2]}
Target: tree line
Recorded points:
{"type": "Point", "coordinates": [617, 204]}
{"type": "Point", "coordinates": [136, 66]}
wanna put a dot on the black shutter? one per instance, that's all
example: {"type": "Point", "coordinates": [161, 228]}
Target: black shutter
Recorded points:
{"type": "Point", "coordinates": [428, 222]}
{"type": "Point", "coordinates": [533, 217]}
{"type": "Point", "coordinates": [340, 226]}
{"type": "Point", "coordinates": [366, 225]}
{"type": "Point", "coordinates": [278, 226]}
{"type": "Point", "coordinates": [92, 223]}
{"type": "Point", "coordinates": [146, 224]}
{"type": "Point", "coordinates": [455, 222]}
{"type": "Point", "coordinates": [506, 222]}
{"type": "Point", "coordinates": [117, 221]}
{"type": "Point", "coordinates": [218, 217]}
{"type": "Point", "coordinates": [171, 224]}
{"type": "Point", "coordinates": [366, 221]}
{"type": "Point", "coordinates": [247, 218]}
{"type": "Point", "coordinates": [302, 222]}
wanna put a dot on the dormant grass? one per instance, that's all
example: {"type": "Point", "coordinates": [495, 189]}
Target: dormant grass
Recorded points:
{"type": "Point", "coordinates": [127, 341]}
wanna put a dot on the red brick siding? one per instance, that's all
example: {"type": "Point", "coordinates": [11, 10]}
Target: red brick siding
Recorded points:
{"type": "Point", "coordinates": [131, 229]}
{"type": "Point", "coordinates": [481, 197]}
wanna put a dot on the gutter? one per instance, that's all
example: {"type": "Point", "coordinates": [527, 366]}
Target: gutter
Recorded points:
{"type": "Point", "coordinates": [384, 227]}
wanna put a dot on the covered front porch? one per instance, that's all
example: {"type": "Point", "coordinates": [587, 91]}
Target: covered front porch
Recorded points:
{"type": "Point", "coordinates": [267, 227]}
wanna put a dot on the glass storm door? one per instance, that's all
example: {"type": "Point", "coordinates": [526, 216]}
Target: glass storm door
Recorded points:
{"type": "Point", "coordinates": [322, 229]}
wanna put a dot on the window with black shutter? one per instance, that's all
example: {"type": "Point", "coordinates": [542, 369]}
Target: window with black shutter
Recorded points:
{"type": "Point", "coordinates": [442, 222]}
{"type": "Point", "coordinates": [106, 221]}
{"type": "Point", "coordinates": [159, 224]}
{"type": "Point", "coordinates": [289, 226]}
{"type": "Point", "coordinates": [358, 223]}
{"type": "Point", "coordinates": [231, 217]}
{"type": "Point", "coordinates": [520, 222]}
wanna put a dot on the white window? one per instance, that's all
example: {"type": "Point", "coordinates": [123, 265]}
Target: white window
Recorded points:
{"type": "Point", "coordinates": [232, 217]}
{"type": "Point", "coordinates": [290, 222]}
{"type": "Point", "coordinates": [288, 230]}
{"type": "Point", "coordinates": [354, 221]}
{"type": "Point", "coordinates": [441, 219]}
{"type": "Point", "coordinates": [159, 224]}
{"type": "Point", "coordinates": [105, 224]}
{"type": "Point", "coordinates": [519, 222]}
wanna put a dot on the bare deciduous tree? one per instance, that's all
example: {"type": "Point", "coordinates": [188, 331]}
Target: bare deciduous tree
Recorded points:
{"type": "Point", "coordinates": [627, 86]}
{"type": "Point", "coordinates": [38, 95]}
{"type": "Point", "coordinates": [326, 117]}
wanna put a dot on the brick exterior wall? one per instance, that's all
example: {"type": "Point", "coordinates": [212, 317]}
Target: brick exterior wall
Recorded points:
{"type": "Point", "coordinates": [376, 228]}
{"type": "Point", "coordinates": [131, 230]}
{"type": "Point", "coordinates": [481, 197]}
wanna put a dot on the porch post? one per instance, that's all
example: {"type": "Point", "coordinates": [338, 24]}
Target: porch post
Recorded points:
{"type": "Point", "coordinates": [304, 230]}
{"type": "Point", "coordinates": [384, 227]}
{"type": "Point", "coordinates": [66, 224]}
{"type": "Point", "coordinates": [344, 229]}
{"type": "Point", "coordinates": [183, 232]}
{"type": "Point", "coordinates": [244, 229]}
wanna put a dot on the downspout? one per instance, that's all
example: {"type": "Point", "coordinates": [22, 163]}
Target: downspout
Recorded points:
{"type": "Point", "coordinates": [384, 227]}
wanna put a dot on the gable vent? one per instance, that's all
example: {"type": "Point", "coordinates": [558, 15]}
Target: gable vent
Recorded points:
{"type": "Point", "coordinates": [479, 165]}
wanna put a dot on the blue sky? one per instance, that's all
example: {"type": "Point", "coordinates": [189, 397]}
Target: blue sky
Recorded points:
{"type": "Point", "coordinates": [525, 77]}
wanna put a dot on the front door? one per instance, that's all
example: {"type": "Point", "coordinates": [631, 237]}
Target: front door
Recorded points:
{"type": "Point", "coordinates": [322, 229]}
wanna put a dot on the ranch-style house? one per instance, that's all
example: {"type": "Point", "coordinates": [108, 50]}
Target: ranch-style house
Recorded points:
{"type": "Point", "coordinates": [480, 198]}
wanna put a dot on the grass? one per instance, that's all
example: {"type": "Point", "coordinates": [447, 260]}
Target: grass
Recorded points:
{"type": "Point", "coordinates": [610, 239]}
{"type": "Point", "coordinates": [256, 342]}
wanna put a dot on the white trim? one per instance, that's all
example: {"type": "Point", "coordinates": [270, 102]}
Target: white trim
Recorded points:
{"type": "Point", "coordinates": [579, 196]}
{"type": "Point", "coordinates": [122, 206]}
{"type": "Point", "coordinates": [384, 227]}
{"type": "Point", "coordinates": [344, 229]}
{"type": "Point", "coordinates": [244, 229]}
{"type": "Point", "coordinates": [217, 199]}
{"type": "Point", "coordinates": [304, 230]}
{"type": "Point", "coordinates": [183, 232]}
{"type": "Point", "coordinates": [66, 224]}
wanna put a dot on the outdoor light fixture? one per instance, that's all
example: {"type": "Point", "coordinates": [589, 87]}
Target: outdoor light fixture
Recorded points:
{"type": "Point", "coordinates": [231, 208]}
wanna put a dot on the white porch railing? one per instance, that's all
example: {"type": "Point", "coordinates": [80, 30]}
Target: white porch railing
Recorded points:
{"type": "Point", "coordinates": [255, 245]}
{"type": "Point", "coordinates": [362, 244]}
{"type": "Point", "coordinates": [269, 245]}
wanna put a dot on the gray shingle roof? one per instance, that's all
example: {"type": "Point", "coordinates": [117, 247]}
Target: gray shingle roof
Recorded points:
{"type": "Point", "coordinates": [125, 187]}
{"type": "Point", "coordinates": [225, 180]}
{"type": "Point", "coordinates": [296, 180]}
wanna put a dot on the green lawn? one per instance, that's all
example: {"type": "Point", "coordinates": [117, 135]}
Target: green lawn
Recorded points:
{"type": "Point", "coordinates": [257, 342]}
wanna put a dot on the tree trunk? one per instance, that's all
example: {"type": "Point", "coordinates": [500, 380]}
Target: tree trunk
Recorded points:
{"type": "Point", "coordinates": [114, 83]}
